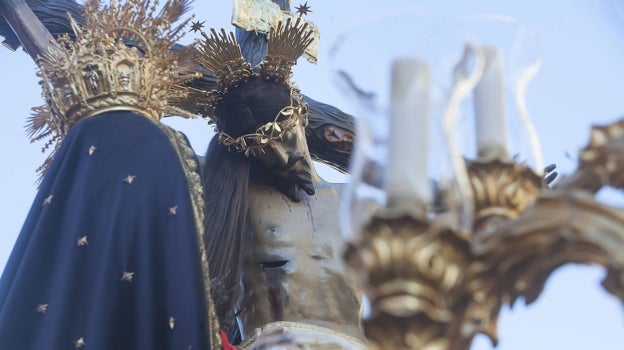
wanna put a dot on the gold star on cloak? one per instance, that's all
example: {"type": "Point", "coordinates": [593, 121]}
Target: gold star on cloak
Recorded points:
{"type": "Point", "coordinates": [304, 9]}
{"type": "Point", "coordinates": [172, 323]}
{"type": "Point", "coordinates": [82, 241]}
{"type": "Point", "coordinates": [48, 200]}
{"type": "Point", "coordinates": [173, 210]}
{"type": "Point", "coordinates": [127, 276]}
{"type": "Point", "coordinates": [42, 308]}
{"type": "Point", "coordinates": [128, 179]}
{"type": "Point", "coordinates": [80, 343]}
{"type": "Point", "coordinates": [197, 26]}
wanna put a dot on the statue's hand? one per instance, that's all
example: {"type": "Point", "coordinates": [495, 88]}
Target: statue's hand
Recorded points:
{"type": "Point", "coordinates": [550, 174]}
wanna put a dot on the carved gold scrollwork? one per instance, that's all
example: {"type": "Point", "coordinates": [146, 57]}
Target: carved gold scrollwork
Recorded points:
{"type": "Point", "coordinates": [562, 227]}
{"type": "Point", "coordinates": [501, 189]}
{"type": "Point", "coordinates": [431, 289]}
{"type": "Point", "coordinates": [605, 154]}
{"type": "Point", "coordinates": [601, 162]}
{"type": "Point", "coordinates": [434, 288]}
{"type": "Point", "coordinates": [415, 272]}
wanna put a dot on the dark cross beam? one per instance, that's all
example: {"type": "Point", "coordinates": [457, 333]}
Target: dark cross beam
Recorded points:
{"type": "Point", "coordinates": [32, 34]}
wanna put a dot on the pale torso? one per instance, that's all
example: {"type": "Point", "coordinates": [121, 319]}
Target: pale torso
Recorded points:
{"type": "Point", "coordinates": [293, 269]}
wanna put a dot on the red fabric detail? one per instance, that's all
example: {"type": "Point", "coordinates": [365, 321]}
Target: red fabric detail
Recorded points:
{"type": "Point", "coordinates": [226, 342]}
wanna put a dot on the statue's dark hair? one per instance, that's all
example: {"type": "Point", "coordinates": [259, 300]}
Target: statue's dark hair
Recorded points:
{"type": "Point", "coordinates": [226, 177]}
{"type": "Point", "coordinates": [253, 103]}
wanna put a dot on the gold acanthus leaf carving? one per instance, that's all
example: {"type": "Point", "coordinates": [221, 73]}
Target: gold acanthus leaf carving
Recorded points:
{"type": "Point", "coordinates": [501, 189]}
{"type": "Point", "coordinates": [561, 228]}
{"type": "Point", "coordinates": [601, 162]}
{"type": "Point", "coordinates": [413, 267]}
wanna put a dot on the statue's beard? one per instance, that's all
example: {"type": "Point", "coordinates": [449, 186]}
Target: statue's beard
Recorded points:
{"type": "Point", "coordinates": [295, 176]}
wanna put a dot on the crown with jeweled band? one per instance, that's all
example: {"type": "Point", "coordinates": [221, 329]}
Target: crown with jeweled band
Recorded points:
{"type": "Point", "coordinates": [220, 53]}
{"type": "Point", "coordinates": [121, 59]}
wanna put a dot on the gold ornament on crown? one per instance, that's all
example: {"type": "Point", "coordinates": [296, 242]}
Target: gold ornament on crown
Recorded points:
{"type": "Point", "coordinates": [120, 59]}
{"type": "Point", "coordinates": [220, 53]}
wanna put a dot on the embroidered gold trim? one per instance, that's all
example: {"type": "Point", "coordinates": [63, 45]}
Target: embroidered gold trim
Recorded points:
{"type": "Point", "coordinates": [189, 165]}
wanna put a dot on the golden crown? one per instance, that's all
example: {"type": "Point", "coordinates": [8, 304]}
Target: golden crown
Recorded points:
{"type": "Point", "coordinates": [220, 53]}
{"type": "Point", "coordinates": [121, 59]}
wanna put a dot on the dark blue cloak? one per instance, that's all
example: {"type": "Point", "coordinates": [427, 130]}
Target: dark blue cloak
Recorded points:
{"type": "Point", "coordinates": [109, 257]}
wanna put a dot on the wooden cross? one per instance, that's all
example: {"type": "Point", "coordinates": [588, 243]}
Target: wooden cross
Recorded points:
{"type": "Point", "coordinates": [33, 36]}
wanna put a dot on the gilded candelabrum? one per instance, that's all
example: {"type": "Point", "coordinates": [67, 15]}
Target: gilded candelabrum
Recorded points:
{"type": "Point", "coordinates": [432, 287]}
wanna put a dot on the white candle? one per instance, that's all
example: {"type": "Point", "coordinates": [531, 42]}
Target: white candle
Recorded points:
{"type": "Point", "coordinates": [489, 106]}
{"type": "Point", "coordinates": [407, 183]}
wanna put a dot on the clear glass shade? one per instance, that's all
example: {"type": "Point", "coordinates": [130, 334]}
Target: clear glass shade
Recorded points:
{"type": "Point", "coordinates": [453, 53]}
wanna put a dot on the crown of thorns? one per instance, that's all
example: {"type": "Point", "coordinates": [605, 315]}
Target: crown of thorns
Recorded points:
{"type": "Point", "coordinates": [269, 133]}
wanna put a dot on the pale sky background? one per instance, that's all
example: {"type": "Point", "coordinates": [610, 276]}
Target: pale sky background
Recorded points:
{"type": "Point", "coordinates": [580, 84]}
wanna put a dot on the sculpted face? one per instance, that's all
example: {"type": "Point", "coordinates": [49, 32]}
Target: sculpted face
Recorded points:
{"type": "Point", "coordinates": [266, 120]}
{"type": "Point", "coordinates": [290, 161]}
